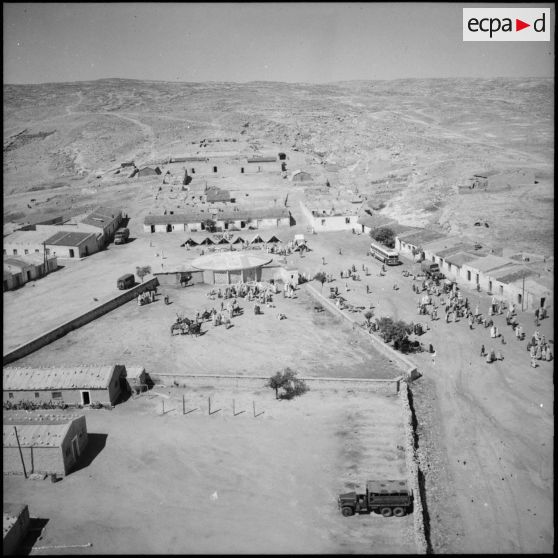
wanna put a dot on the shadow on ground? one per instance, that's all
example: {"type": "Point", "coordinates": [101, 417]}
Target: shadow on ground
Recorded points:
{"type": "Point", "coordinates": [95, 445]}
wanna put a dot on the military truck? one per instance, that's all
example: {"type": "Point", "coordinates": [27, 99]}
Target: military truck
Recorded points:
{"type": "Point", "coordinates": [121, 236]}
{"type": "Point", "coordinates": [388, 497]}
{"type": "Point", "coordinates": [432, 270]}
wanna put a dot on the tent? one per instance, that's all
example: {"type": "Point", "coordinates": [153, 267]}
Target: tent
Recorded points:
{"type": "Point", "coordinates": [274, 239]}
{"type": "Point", "coordinates": [223, 240]}
{"type": "Point", "coordinates": [206, 241]}
{"type": "Point", "coordinates": [237, 240]}
{"type": "Point", "coordinates": [191, 242]}
{"type": "Point", "coordinates": [257, 240]}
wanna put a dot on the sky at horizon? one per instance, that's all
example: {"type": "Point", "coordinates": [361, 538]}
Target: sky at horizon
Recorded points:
{"type": "Point", "coordinates": [241, 42]}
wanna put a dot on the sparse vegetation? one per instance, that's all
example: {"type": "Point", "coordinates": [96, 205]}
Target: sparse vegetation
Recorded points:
{"type": "Point", "coordinates": [141, 272]}
{"type": "Point", "coordinates": [289, 383]}
{"type": "Point", "coordinates": [384, 235]}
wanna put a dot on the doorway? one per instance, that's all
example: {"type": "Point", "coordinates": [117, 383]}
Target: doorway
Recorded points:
{"type": "Point", "coordinates": [85, 398]}
{"type": "Point", "coordinates": [29, 277]}
{"type": "Point", "coordinates": [543, 300]}
{"type": "Point", "coordinates": [169, 228]}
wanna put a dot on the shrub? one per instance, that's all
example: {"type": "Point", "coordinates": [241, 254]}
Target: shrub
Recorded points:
{"type": "Point", "coordinates": [384, 235]}
{"type": "Point", "coordinates": [289, 383]}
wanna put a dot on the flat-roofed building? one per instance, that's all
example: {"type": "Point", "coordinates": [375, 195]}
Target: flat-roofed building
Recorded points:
{"type": "Point", "coordinates": [49, 443]}
{"type": "Point", "coordinates": [81, 385]}
{"type": "Point", "coordinates": [72, 245]}
{"type": "Point", "coordinates": [22, 269]}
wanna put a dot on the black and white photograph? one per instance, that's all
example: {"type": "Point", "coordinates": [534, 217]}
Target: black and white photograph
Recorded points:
{"type": "Point", "coordinates": [278, 278]}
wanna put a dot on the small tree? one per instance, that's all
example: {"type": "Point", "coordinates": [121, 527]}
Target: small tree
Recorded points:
{"type": "Point", "coordinates": [368, 315]}
{"type": "Point", "coordinates": [141, 272]}
{"type": "Point", "coordinates": [288, 381]}
{"type": "Point", "coordinates": [384, 235]}
{"type": "Point", "coordinates": [396, 331]}
{"type": "Point", "coordinates": [321, 277]}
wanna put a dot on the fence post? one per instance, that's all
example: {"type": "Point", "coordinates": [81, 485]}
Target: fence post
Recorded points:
{"type": "Point", "coordinates": [20, 453]}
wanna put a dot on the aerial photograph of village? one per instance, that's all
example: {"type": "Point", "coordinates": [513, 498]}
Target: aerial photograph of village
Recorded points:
{"type": "Point", "coordinates": [278, 278]}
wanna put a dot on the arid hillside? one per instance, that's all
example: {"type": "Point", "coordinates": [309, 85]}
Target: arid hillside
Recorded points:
{"type": "Point", "coordinates": [406, 144]}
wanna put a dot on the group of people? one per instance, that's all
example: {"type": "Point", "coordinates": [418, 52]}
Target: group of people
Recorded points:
{"type": "Point", "coordinates": [539, 348]}
{"type": "Point", "coordinates": [147, 296]}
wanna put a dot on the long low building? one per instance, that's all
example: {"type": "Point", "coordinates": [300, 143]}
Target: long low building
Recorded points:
{"type": "Point", "coordinates": [22, 269]}
{"type": "Point", "coordinates": [222, 220]}
{"type": "Point", "coordinates": [45, 443]}
{"type": "Point", "coordinates": [331, 218]}
{"type": "Point", "coordinates": [72, 245]}
{"type": "Point", "coordinates": [471, 266]}
{"type": "Point", "coordinates": [78, 385]}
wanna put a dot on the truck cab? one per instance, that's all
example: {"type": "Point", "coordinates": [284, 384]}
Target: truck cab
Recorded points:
{"type": "Point", "coordinates": [388, 497]}
{"type": "Point", "coordinates": [432, 270]}
{"type": "Point", "coordinates": [121, 236]}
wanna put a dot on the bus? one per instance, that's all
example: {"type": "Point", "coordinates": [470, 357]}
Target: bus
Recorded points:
{"type": "Point", "coordinates": [385, 255]}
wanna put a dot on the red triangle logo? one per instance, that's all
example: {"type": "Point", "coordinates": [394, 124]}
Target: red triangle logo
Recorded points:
{"type": "Point", "coordinates": [519, 25]}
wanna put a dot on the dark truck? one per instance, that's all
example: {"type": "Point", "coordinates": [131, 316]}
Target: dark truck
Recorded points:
{"type": "Point", "coordinates": [432, 270]}
{"type": "Point", "coordinates": [388, 497]}
{"type": "Point", "coordinates": [121, 236]}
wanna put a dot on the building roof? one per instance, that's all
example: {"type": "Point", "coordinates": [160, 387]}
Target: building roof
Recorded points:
{"type": "Point", "coordinates": [230, 261]}
{"type": "Point", "coordinates": [262, 159]}
{"type": "Point", "coordinates": [62, 238]}
{"type": "Point", "coordinates": [511, 273]}
{"type": "Point", "coordinates": [375, 221]}
{"type": "Point", "coordinates": [459, 258]}
{"type": "Point", "coordinates": [418, 237]}
{"type": "Point", "coordinates": [489, 263]}
{"type": "Point", "coordinates": [35, 435]}
{"type": "Point", "coordinates": [78, 377]}
{"type": "Point", "coordinates": [218, 215]}
{"type": "Point", "coordinates": [447, 244]}
{"type": "Point", "coordinates": [134, 371]}
{"type": "Point", "coordinates": [458, 248]}
{"type": "Point", "coordinates": [217, 195]}
{"type": "Point", "coordinates": [102, 217]}
{"type": "Point", "coordinates": [27, 237]}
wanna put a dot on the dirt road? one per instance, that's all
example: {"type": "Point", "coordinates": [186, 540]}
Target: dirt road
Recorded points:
{"type": "Point", "coordinates": [495, 420]}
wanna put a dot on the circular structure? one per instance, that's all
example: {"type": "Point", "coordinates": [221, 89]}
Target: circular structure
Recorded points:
{"type": "Point", "coordinates": [231, 267]}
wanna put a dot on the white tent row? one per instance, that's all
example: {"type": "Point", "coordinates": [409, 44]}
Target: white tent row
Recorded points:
{"type": "Point", "coordinates": [236, 239]}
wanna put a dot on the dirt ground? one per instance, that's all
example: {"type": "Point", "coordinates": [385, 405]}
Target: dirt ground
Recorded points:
{"type": "Point", "coordinates": [173, 483]}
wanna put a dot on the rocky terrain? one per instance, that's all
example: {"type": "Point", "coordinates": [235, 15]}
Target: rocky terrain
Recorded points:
{"type": "Point", "coordinates": [405, 144]}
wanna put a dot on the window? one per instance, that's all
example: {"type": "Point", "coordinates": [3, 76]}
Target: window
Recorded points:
{"type": "Point", "coordinates": [468, 276]}
{"type": "Point", "coordinates": [519, 298]}
{"type": "Point", "coordinates": [501, 288]}
{"type": "Point", "coordinates": [10, 395]}
{"type": "Point", "coordinates": [449, 266]}
{"type": "Point", "coordinates": [36, 250]}
{"type": "Point", "coordinates": [323, 222]}
{"type": "Point", "coordinates": [15, 252]}
{"type": "Point", "coordinates": [347, 220]}
{"type": "Point", "coordinates": [36, 394]}
{"type": "Point", "coordinates": [71, 253]}
{"type": "Point", "coordinates": [26, 251]}
{"type": "Point", "coordinates": [57, 395]}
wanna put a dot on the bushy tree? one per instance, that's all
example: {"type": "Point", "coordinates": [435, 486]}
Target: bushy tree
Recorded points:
{"type": "Point", "coordinates": [321, 277]}
{"type": "Point", "coordinates": [210, 225]}
{"type": "Point", "coordinates": [384, 235]}
{"type": "Point", "coordinates": [396, 331]}
{"type": "Point", "coordinates": [289, 383]}
{"type": "Point", "coordinates": [141, 272]}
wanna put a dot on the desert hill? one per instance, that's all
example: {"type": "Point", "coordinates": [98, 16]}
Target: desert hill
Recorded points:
{"type": "Point", "coordinates": [408, 145]}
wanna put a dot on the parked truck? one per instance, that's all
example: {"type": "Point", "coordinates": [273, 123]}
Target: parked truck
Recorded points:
{"type": "Point", "coordinates": [431, 270]}
{"type": "Point", "coordinates": [121, 236]}
{"type": "Point", "coordinates": [388, 497]}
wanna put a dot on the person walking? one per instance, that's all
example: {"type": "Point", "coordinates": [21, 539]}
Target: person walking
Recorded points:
{"type": "Point", "coordinates": [470, 322]}
{"type": "Point", "coordinates": [482, 352]}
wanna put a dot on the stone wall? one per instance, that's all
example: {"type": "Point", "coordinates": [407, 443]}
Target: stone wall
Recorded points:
{"type": "Point", "coordinates": [413, 472]}
{"type": "Point", "coordinates": [390, 386]}
{"type": "Point", "coordinates": [408, 367]}
{"type": "Point", "coordinates": [103, 308]}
